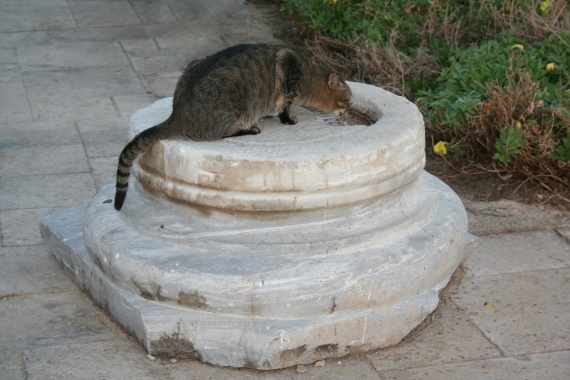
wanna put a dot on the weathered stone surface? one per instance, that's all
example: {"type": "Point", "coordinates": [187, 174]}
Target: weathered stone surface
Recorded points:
{"type": "Point", "coordinates": [302, 243]}
{"type": "Point", "coordinates": [308, 166]}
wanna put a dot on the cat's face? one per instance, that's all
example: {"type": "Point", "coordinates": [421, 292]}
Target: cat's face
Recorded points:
{"type": "Point", "coordinates": [338, 96]}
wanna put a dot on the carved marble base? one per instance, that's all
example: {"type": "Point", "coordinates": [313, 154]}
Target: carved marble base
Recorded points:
{"type": "Point", "coordinates": [302, 243]}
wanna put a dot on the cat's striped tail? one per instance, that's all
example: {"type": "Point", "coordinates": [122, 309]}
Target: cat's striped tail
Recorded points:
{"type": "Point", "coordinates": [136, 146]}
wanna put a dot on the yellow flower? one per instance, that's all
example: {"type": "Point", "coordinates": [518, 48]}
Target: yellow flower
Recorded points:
{"type": "Point", "coordinates": [545, 5]}
{"type": "Point", "coordinates": [333, 2]}
{"type": "Point", "coordinates": [550, 67]}
{"type": "Point", "coordinates": [440, 148]}
{"type": "Point", "coordinates": [518, 125]}
{"type": "Point", "coordinates": [518, 46]}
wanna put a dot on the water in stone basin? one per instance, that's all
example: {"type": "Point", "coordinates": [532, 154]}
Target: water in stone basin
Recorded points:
{"type": "Point", "coordinates": [352, 117]}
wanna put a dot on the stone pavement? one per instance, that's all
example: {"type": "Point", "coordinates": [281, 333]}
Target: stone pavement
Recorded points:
{"type": "Point", "coordinates": [71, 74]}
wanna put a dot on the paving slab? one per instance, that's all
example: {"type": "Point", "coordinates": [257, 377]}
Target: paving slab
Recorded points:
{"type": "Point", "coordinates": [504, 216]}
{"type": "Point", "coordinates": [64, 55]}
{"type": "Point", "coordinates": [552, 366]}
{"type": "Point", "coordinates": [8, 54]}
{"type": "Point", "coordinates": [152, 11]}
{"type": "Point", "coordinates": [449, 338]}
{"type": "Point", "coordinates": [104, 141]}
{"type": "Point", "coordinates": [43, 160]}
{"type": "Point", "coordinates": [41, 191]}
{"type": "Point", "coordinates": [111, 359]}
{"type": "Point", "coordinates": [90, 13]}
{"type": "Point", "coordinates": [146, 56]}
{"type": "Point", "coordinates": [251, 24]}
{"type": "Point", "coordinates": [48, 318]}
{"type": "Point", "coordinates": [81, 83]}
{"type": "Point", "coordinates": [103, 170]}
{"type": "Point", "coordinates": [200, 10]}
{"type": "Point", "coordinates": [17, 39]}
{"type": "Point", "coordinates": [245, 32]}
{"type": "Point", "coordinates": [521, 313]}
{"type": "Point", "coordinates": [499, 254]}
{"type": "Point", "coordinates": [353, 368]}
{"type": "Point", "coordinates": [161, 84]}
{"type": "Point", "coordinates": [565, 233]}
{"type": "Point", "coordinates": [108, 124]}
{"type": "Point", "coordinates": [13, 108]}
{"type": "Point", "coordinates": [72, 108]}
{"type": "Point", "coordinates": [204, 40]}
{"type": "Point", "coordinates": [38, 134]}
{"type": "Point", "coordinates": [127, 105]}
{"type": "Point", "coordinates": [30, 269]}
{"type": "Point", "coordinates": [20, 227]}
{"type": "Point", "coordinates": [79, 93]}
{"type": "Point", "coordinates": [28, 15]}
{"type": "Point", "coordinates": [109, 33]}
{"type": "Point", "coordinates": [12, 363]}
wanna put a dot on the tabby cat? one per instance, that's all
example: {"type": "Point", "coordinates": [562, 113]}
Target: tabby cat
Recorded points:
{"type": "Point", "coordinates": [227, 93]}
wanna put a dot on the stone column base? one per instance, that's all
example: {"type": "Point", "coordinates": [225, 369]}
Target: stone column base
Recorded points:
{"type": "Point", "coordinates": [303, 243]}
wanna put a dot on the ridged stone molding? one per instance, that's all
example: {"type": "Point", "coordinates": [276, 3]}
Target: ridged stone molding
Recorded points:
{"type": "Point", "coordinates": [301, 243]}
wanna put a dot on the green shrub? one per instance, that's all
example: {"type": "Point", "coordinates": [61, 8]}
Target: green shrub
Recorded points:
{"type": "Point", "coordinates": [562, 152]}
{"type": "Point", "coordinates": [457, 101]}
{"type": "Point", "coordinates": [492, 77]}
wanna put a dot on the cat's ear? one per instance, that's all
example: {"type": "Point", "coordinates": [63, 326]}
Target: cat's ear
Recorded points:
{"type": "Point", "coordinates": [335, 83]}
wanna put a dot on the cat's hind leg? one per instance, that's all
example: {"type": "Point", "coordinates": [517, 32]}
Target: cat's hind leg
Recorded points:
{"type": "Point", "coordinates": [253, 130]}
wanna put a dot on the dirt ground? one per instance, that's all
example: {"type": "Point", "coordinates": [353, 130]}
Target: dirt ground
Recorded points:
{"type": "Point", "coordinates": [488, 186]}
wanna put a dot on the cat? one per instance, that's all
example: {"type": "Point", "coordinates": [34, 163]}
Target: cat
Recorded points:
{"type": "Point", "coordinates": [227, 93]}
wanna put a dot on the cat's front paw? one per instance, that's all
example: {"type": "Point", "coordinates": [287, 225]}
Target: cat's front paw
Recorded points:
{"type": "Point", "coordinates": [288, 119]}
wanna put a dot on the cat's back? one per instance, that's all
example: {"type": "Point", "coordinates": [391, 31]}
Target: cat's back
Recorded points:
{"type": "Point", "coordinates": [253, 63]}
{"type": "Point", "coordinates": [246, 57]}
{"type": "Point", "coordinates": [239, 80]}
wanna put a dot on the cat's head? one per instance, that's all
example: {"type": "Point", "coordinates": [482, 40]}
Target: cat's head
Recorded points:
{"type": "Point", "coordinates": [333, 96]}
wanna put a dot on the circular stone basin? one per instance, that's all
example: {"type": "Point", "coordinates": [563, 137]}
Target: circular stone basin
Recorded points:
{"type": "Point", "coordinates": [301, 243]}
{"type": "Point", "coordinates": [285, 168]}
